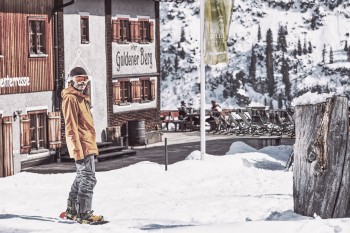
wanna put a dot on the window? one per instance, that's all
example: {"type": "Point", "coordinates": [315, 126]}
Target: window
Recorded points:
{"type": "Point", "coordinates": [125, 31]}
{"type": "Point", "coordinates": [84, 29]}
{"type": "Point", "coordinates": [138, 31]}
{"type": "Point", "coordinates": [37, 129]}
{"type": "Point", "coordinates": [145, 35]}
{"type": "Point", "coordinates": [121, 30]}
{"type": "Point", "coordinates": [146, 87]}
{"type": "Point", "coordinates": [37, 36]}
{"type": "Point", "coordinates": [135, 90]}
{"type": "Point", "coordinates": [125, 91]}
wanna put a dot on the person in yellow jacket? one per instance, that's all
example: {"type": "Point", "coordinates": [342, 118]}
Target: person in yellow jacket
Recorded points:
{"type": "Point", "coordinates": [81, 143]}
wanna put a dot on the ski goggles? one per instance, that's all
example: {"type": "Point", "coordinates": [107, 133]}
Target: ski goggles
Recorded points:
{"type": "Point", "coordinates": [81, 79]}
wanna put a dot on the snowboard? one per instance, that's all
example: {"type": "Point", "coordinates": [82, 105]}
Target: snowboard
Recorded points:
{"type": "Point", "coordinates": [63, 216]}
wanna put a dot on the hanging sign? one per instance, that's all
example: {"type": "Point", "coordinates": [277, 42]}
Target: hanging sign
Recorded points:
{"type": "Point", "coordinates": [217, 19]}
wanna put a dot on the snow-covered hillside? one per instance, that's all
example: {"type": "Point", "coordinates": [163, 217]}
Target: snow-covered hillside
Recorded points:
{"type": "Point", "coordinates": [319, 26]}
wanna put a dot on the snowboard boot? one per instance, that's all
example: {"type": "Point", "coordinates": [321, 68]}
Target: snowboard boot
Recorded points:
{"type": "Point", "coordinates": [71, 212]}
{"type": "Point", "coordinates": [89, 218]}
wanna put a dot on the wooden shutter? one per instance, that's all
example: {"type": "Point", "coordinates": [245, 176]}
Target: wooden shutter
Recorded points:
{"type": "Point", "coordinates": [116, 93]}
{"type": "Point", "coordinates": [132, 31]}
{"type": "Point", "coordinates": [136, 91]}
{"type": "Point", "coordinates": [25, 134]}
{"type": "Point", "coordinates": [116, 30]}
{"type": "Point", "coordinates": [7, 146]}
{"type": "Point", "coordinates": [151, 31]}
{"type": "Point", "coordinates": [153, 89]}
{"type": "Point", "coordinates": [1, 151]}
{"type": "Point", "coordinates": [137, 32]}
{"type": "Point", "coordinates": [54, 130]}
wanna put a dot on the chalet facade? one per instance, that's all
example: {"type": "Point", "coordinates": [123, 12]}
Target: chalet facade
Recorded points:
{"type": "Point", "coordinates": [41, 41]}
{"type": "Point", "coordinates": [27, 83]}
{"type": "Point", "coordinates": [134, 80]}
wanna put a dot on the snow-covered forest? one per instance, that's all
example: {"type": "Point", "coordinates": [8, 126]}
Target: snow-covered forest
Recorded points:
{"type": "Point", "coordinates": [307, 40]}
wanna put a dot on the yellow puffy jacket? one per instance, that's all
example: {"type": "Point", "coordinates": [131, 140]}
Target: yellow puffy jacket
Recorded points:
{"type": "Point", "coordinates": [80, 131]}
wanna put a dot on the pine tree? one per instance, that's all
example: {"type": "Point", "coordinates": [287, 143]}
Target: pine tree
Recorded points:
{"type": "Point", "coordinates": [182, 53]}
{"type": "Point", "coordinates": [313, 22]}
{"type": "Point", "coordinates": [299, 47]}
{"type": "Point", "coordinates": [285, 77]}
{"type": "Point", "coordinates": [270, 79]}
{"type": "Point", "coordinates": [304, 48]}
{"type": "Point", "coordinates": [176, 63]}
{"type": "Point", "coordinates": [286, 30]}
{"type": "Point", "coordinates": [331, 56]}
{"type": "Point", "coordinates": [310, 47]}
{"type": "Point", "coordinates": [295, 52]}
{"type": "Point", "coordinates": [346, 46]}
{"type": "Point", "coordinates": [284, 40]}
{"type": "Point", "coordinates": [281, 39]}
{"type": "Point", "coordinates": [280, 103]}
{"type": "Point", "coordinates": [225, 92]}
{"type": "Point", "coordinates": [252, 67]}
{"type": "Point", "coordinates": [182, 37]}
{"type": "Point", "coordinates": [259, 33]}
{"type": "Point", "coordinates": [324, 53]}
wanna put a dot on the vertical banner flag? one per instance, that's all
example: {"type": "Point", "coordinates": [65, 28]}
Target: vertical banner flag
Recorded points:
{"type": "Point", "coordinates": [217, 21]}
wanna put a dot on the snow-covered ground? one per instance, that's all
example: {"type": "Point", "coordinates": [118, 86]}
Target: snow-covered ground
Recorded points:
{"type": "Point", "coordinates": [246, 190]}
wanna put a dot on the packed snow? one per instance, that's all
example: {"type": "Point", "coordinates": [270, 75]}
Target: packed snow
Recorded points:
{"type": "Point", "coordinates": [246, 190]}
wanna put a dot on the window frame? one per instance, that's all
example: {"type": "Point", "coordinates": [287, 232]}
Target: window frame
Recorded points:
{"type": "Point", "coordinates": [38, 142]}
{"type": "Point", "coordinates": [84, 39]}
{"type": "Point", "coordinates": [125, 30]}
{"type": "Point", "coordinates": [125, 91]}
{"type": "Point", "coordinates": [144, 31]}
{"type": "Point", "coordinates": [34, 36]}
{"type": "Point", "coordinates": [146, 86]}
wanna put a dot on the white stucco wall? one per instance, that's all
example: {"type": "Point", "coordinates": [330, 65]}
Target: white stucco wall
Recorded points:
{"type": "Point", "coordinates": [24, 102]}
{"type": "Point", "coordinates": [91, 57]}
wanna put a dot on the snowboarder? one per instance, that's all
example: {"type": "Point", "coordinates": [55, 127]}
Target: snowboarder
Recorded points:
{"type": "Point", "coordinates": [81, 143]}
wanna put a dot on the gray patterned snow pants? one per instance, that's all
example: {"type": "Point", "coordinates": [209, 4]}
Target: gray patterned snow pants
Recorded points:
{"type": "Point", "coordinates": [80, 196]}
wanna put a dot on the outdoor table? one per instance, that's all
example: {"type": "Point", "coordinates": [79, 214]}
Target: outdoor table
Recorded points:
{"type": "Point", "coordinates": [191, 116]}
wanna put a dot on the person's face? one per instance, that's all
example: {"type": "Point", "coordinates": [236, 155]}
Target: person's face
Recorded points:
{"type": "Point", "coordinates": [80, 82]}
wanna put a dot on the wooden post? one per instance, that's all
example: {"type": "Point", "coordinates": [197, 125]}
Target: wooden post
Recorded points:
{"type": "Point", "coordinates": [1, 151]}
{"type": "Point", "coordinates": [322, 159]}
{"type": "Point", "coordinates": [8, 146]}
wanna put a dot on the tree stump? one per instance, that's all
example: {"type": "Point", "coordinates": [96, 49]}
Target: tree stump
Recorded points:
{"type": "Point", "coordinates": [322, 159]}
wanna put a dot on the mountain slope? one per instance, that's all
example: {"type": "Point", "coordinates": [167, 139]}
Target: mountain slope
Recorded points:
{"type": "Point", "coordinates": [323, 23]}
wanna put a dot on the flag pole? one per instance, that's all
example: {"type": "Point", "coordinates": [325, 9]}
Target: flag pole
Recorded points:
{"type": "Point", "coordinates": [202, 80]}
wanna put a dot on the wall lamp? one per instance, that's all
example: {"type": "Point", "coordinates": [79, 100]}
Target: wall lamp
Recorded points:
{"type": "Point", "coordinates": [16, 114]}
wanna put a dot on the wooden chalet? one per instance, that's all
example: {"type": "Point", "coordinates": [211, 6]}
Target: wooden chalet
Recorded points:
{"type": "Point", "coordinates": [29, 127]}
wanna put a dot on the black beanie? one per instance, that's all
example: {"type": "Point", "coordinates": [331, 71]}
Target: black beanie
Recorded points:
{"type": "Point", "coordinates": [77, 71]}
